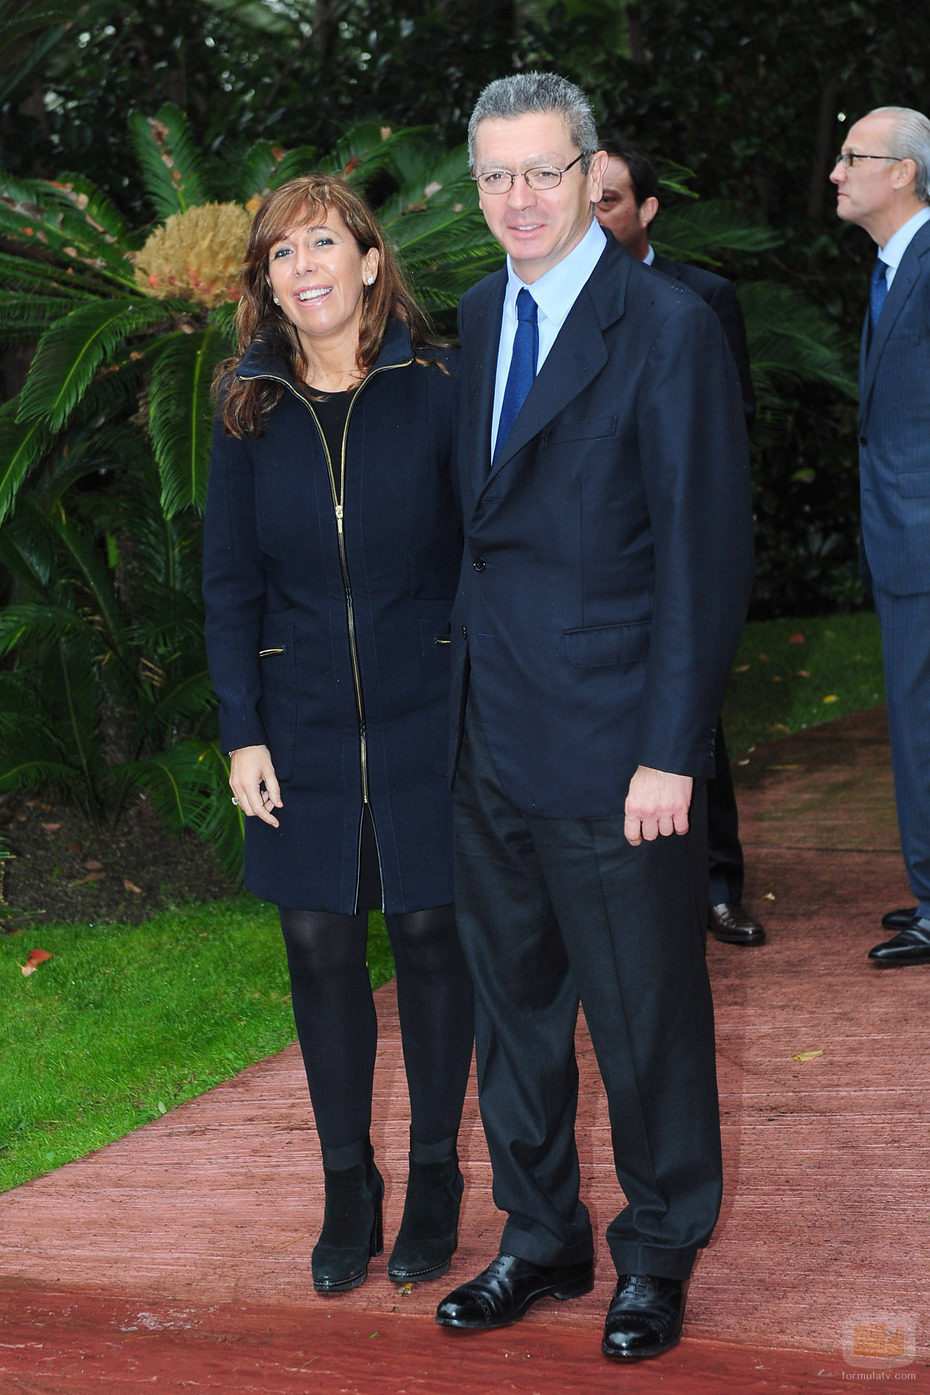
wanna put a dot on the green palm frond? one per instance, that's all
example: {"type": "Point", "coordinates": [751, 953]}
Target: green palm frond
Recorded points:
{"type": "Point", "coordinates": [69, 220]}
{"type": "Point", "coordinates": [24, 317]}
{"type": "Point", "coordinates": [72, 350]}
{"type": "Point", "coordinates": [92, 576]}
{"type": "Point", "coordinates": [30, 623]}
{"type": "Point", "coordinates": [791, 340]}
{"type": "Point", "coordinates": [92, 209]}
{"type": "Point", "coordinates": [266, 166]}
{"type": "Point", "coordinates": [169, 159]}
{"type": "Point", "coordinates": [68, 280]}
{"type": "Point", "coordinates": [708, 226]}
{"type": "Point", "coordinates": [188, 785]}
{"type": "Point", "coordinates": [181, 415]}
{"type": "Point", "coordinates": [367, 150]}
{"type": "Point", "coordinates": [22, 443]}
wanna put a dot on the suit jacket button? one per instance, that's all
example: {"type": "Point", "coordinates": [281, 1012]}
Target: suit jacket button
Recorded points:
{"type": "Point", "coordinates": [464, 632]}
{"type": "Point", "coordinates": [479, 564]}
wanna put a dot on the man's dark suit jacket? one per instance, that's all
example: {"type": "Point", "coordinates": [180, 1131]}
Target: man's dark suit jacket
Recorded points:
{"type": "Point", "coordinates": [720, 295]}
{"type": "Point", "coordinates": [608, 550]}
{"type": "Point", "coordinates": [894, 429]}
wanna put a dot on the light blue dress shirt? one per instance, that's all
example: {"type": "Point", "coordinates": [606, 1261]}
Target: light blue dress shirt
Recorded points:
{"type": "Point", "coordinates": [554, 293]}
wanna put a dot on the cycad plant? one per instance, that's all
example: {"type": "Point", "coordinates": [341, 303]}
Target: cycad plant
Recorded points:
{"type": "Point", "coordinates": [104, 451]}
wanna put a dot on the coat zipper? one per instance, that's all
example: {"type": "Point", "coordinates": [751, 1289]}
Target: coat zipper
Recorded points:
{"type": "Point", "coordinates": [338, 495]}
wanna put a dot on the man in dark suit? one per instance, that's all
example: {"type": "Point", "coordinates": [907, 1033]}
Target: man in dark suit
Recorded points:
{"type": "Point", "coordinates": [608, 563]}
{"type": "Point", "coordinates": [628, 204]}
{"type": "Point", "coordinates": [882, 179]}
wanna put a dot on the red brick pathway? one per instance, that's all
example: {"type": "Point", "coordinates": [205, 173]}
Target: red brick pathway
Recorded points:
{"type": "Point", "coordinates": [177, 1259]}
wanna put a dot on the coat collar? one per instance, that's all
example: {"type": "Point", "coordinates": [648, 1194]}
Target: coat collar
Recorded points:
{"type": "Point", "coordinates": [266, 356]}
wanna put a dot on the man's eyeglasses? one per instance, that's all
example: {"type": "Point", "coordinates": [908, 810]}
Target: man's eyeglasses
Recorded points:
{"type": "Point", "coordinates": [848, 158]}
{"type": "Point", "coordinates": [540, 179]}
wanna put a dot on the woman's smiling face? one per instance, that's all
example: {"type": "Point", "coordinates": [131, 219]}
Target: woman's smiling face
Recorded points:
{"type": "Point", "coordinates": [318, 274]}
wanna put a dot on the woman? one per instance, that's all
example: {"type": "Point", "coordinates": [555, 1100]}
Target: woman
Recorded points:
{"type": "Point", "coordinates": [331, 549]}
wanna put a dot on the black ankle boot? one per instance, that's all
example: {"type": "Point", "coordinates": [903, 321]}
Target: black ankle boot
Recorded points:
{"type": "Point", "coordinates": [352, 1232]}
{"type": "Point", "coordinates": [428, 1233]}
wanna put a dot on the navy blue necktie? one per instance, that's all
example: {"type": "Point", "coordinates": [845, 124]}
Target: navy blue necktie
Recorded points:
{"type": "Point", "coordinates": [522, 366]}
{"type": "Point", "coordinates": [877, 293]}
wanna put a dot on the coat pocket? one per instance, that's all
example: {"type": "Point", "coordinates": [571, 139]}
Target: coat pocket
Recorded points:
{"type": "Point", "coordinates": [278, 706]}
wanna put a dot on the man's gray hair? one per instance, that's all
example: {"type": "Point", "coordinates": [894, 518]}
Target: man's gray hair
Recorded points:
{"type": "Point", "coordinates": [912, 142]}
{"type": "Point", "coordinates": [524, 93]}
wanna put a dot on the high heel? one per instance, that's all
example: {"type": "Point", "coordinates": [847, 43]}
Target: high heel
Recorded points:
{"type": "Point", "coordinates": [428, 1235]}
{"type": "Point", "coordinates": [352, 1232]}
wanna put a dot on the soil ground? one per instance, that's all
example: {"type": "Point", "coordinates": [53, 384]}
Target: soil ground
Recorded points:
{"type": "Point", "coordinates": [64, 866]}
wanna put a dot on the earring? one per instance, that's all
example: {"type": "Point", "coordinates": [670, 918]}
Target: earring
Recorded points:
{"type": "Point", "coordinates": [276, 300]}
{"type": "Point", "coordinates": [369, 280]}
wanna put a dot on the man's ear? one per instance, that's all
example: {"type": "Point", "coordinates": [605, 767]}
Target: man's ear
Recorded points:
{"type": "Point", "coordinates": [597, 170]}
{"type": "Point", "coordinates": [648, 210]}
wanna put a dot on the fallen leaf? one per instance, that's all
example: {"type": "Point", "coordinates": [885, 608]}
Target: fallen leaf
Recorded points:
{"type": "Point", "coordinates": [34, 958]}
{"type": "Point", "coordinates": [131, 886]}
{"type": "Point", "coordinates": [809, 1055]}
{"type": "Point", "coordinates": [831, 697]}
{"type": "Point", "coordinates": [51, 827]}
{"type": "Point", "coordinates": [802, 673]}
{"type": "Point", "coordinates": [769, 896]}
{"type": "Point", "coordinates": [796, 638]}
{"type": "Point", "coordinates": [93, 866]}
{"type": "Point", "coordinates": [742, 668]}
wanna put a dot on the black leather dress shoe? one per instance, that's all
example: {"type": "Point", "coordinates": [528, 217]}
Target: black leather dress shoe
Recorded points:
{"type": "Point", "coordinates": [910, 946]}
{"type": "Point", "coordinates": [901, 919]}
{"type": "Point", "coordinates": [644, 1317]}
{"type": "Point", "coordinates": [502, 1293]}
{"type": "Point", "coordinates": [731, 922]}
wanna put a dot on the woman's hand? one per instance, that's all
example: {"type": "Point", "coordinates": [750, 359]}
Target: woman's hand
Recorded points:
{"type": "Point", "coordinates": [254, 783]}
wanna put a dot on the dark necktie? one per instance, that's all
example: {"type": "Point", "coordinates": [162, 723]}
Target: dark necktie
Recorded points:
{"type": "Point", "coordinates": [522, 366]}
{"type": "Point", "coordinates": [877, 293]}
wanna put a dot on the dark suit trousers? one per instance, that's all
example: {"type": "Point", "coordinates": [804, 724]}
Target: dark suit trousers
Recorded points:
{"type": "Point", "coordinates": [726, 852]}
{"type": "Point", "coordinates": [905, 626]}
{"type": "Point", "coordinates": [551, 910]}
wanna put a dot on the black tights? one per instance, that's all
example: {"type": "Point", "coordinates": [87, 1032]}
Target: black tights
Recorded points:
{"type": "Point", "coordinates": [337, 1024]}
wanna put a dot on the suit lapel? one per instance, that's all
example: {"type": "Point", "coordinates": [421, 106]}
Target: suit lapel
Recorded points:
{"type": "Point", "coordinates": [577, 356]}
{"type": "Point", "coordinates": [905, 278]}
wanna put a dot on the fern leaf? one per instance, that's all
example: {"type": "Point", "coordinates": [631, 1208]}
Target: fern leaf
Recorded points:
{"type": "Point", "coordinates": [181, 416]}
{"type": "Point", "coordinates": [21, 445]}
{"type": "Point", "coordinates": [71, 351]}
{"type": "Point", "coordinates": [169, 159]}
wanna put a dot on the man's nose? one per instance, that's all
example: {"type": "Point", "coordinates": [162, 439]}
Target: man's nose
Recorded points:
{"type": "Point", "coordinates": [520, 194]}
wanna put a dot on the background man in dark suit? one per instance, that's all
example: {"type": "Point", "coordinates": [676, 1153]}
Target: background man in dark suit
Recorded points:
{"type": "Point", "coordinates": [628, 204]}
{"type": "Point", "coordinates": [882, 180]}
{"type": "Point", "coordinates": [608, 564]}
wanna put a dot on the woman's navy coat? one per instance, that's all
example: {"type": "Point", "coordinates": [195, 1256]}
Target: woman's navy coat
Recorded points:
{"type": "Point", "coordinates": [343, 721]}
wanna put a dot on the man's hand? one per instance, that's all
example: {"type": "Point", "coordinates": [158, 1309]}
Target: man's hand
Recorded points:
{"type": "Point", "coordinates": [657, 805]}
{"type": "Point", "coordinates": [254, 783]}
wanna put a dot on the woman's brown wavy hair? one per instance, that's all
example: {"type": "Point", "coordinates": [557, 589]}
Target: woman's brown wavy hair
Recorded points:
{"type": "Point", "coordinates": [304, 200]}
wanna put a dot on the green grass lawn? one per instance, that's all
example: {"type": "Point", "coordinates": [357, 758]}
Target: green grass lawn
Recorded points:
{"type": "Point", "coordinates": [122, 1023]}
{"type": "Point", "coordinates": [792, 674]}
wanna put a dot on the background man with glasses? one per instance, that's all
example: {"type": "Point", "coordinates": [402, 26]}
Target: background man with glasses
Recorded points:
{"type": "Point", "coordinates": [603, 473]}
{"type": "Point", "coordinates": [882, 178]}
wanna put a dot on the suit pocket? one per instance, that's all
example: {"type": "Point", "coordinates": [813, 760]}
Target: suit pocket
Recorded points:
{"type": "Point", "coordinates": [582, 429]}
{"type": "Point", "coordinates": [601, 646]}
{"type": "Point", "coordinates": [914, 484]}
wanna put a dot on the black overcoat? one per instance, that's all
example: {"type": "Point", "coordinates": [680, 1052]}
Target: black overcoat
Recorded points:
{"type": "Point", "coordinates": [328, 629]}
